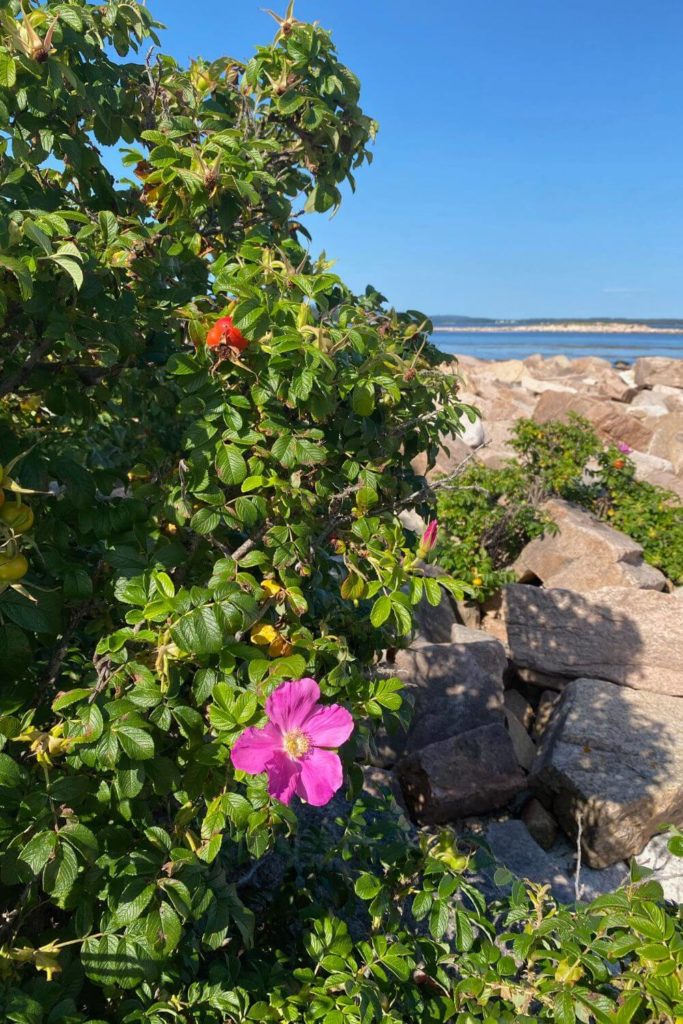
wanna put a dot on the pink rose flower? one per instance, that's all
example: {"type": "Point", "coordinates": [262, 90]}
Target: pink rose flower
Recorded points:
{"type": "Point", "coordinates": [428, 542]}
{"type": "Point", "coordinates": [294, 746]}
{"type": "Point", "coordinates": [623, 447]}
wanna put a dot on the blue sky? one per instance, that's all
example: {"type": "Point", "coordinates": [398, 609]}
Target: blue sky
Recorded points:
{"type": "Point", "coordinates": [530, 155]}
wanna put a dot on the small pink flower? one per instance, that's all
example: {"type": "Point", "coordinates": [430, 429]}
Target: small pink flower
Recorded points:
{"type": "Point", "coordinates": [428, 542]}
{"type": "Point", "coordinates": [624, 448]}
{"type": "Point", "coordinates": [293, 748]}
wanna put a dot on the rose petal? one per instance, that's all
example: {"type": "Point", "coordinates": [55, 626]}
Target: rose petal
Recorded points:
{"type": "Point", "coordinates": [283, 776]}
{"type": "Point", "coordinates": [255, 748]}
{"type": "Point", "coordinates": [329, 726]}
{"type": "Point", "coordinates": [321, 777]}
{"type": "Point", "coordinates": [290, 705]}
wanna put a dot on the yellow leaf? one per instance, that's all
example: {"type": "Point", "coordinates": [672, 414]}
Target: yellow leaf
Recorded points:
{"type": "Point", "coordinates": [567, 973]}
{"type": "Point", "coordinates": [262, 636]}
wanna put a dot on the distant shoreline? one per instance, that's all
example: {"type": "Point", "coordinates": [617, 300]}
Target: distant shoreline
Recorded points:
{"type": "Point", "coordinates": [570, 327]}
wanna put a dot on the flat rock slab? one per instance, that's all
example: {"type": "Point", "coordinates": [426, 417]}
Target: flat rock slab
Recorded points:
{"type": "Point", "coordinates": [514, 848]}
{"type": "Point", "coordinates": [628, 636]}
{"type": "Point", "coordinates": [472, 773]}
{"type": "Point", "coordinates": [667, 440]}
{"type": "Point", "coordinates": [666, 867]}
{"type": "Point", "coordinates": [611, 419]}
{"type": "Point", "coordinates": [651, 370]}
{"type": "Point", "coordinates": [455, 686]}
{"type": "Point", "coordinates": [585, 554]}
{"type": "Point", "coordinates": [612, 757]}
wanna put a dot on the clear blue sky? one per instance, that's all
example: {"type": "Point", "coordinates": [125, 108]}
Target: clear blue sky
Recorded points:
{"type": "Point", "coordinates": [530, 155]}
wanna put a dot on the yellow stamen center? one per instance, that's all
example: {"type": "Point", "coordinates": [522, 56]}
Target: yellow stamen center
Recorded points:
{"type": "Point", "coordinates": [296, 743]}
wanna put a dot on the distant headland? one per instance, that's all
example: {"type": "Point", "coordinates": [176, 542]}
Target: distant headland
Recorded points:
{"type": "Point", "coordinates": [598, 325]}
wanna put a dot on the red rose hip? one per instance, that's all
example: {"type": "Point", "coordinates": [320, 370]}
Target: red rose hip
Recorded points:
{"type": "Point", "coordinates": [224, 332]}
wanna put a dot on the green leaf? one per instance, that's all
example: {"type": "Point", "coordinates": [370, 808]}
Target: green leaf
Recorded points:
{"type": "Point", "coordinates": [108, 225]}
{"type": "Point", "coordinates": [422, 904]}
{"type": "Point", "coordinates": [136, 743]}
{"type": "Point", "coordinates": [381, 610]}
{"type": "Point", "coordinates": [205, 521]}
{"type": "Point", "coordinates": [81, 838]}
{"type": "Point", "coordinates": [564, 1008]}
{"type": "Point", "coordinates": [22, 274]}
{"type": "Point", "coordinates": [10, 773]}
{"type": "Point", "coordinates": [200, 631]}
{"type": "Point", "coordinates": [367, 886]}
{"type": "Point", "coordinates": [252, 318]}
{"type": "Point", "coordinates": [438, 919]}
{"type": "Point", "coordinates": [432, 591]}
{"type": "Point", "coordinates": [363, 398]}
{"type": "Point", "coordinates": [33, 232]}
{"type": "Point", "coordinates": [61, 873]}
{"type": "Point", "coordinates": [171, 928]}
{"type": "Point", "coordinates": [77, 584]}
{"type": "Point", "coordinates": [111, 960]}
{"type": "Point", "coordinates": [38, 850]}
{"type": "Point", "coordinates": [293, 451]}
{"type": "Point", "coordinates": [8, 71]}
{"type": "Point", "coordinates": [136, 896]}
{"type": "Point", "coordinates": [230, 465]}
{"type": "Point", "coordinates": [71, 266]}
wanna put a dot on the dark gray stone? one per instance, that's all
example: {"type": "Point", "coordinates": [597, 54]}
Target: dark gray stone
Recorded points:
{"type": "Point", "coordinates": [612, 757]}
{"type": "Point", "coordinates": [455, 687]}
{"type": "Point", "coordinates": [468, 774]}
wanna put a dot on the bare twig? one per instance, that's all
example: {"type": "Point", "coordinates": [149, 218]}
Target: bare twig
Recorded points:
{"type": "Point", "coordinates": [253, 870]}
{"type": "Point", "coordinates": [427, 490]}
{"type": "Point", "coordinates": [247, 546]}
{"type": "Point", "coordinates": [9, 915]}
{"type": "Point", "coordinates": [104, 673]}
{"type": "Point", "coordinates": [257, 618]}
{"type": "Point", "coordinates": [15, 380]}
{"type": "Point", "coordinates": [60, 652]}
{"type": "Point", "coordinates": [577, 875]}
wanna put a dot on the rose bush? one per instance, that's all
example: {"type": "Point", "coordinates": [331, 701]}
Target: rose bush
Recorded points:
{"type": "Point", "coordinates": [215, 435]}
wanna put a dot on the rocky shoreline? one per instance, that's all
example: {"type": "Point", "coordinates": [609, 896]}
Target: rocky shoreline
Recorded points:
{"type": "Point", "coordinates": [570, 327]}
{"type": "Point", "coordinates": [551, 718]}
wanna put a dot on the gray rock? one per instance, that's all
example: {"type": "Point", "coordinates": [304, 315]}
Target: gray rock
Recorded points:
{"type": "Point", "coordinates": [412, 520]}
{"type": "Point", "coordinates": [651, 370]}
{"type": "Point", "coordinates": [667, 439]}
{"type": "Point", "coordinates": [472, 432]}
{"type": "Point", "coordinates": [451, 453]}
{"type": "Point", "coordinates": [612, 758]}
{"type": "Point", "coordinates": [540, 823]}
{"type": "Point", "coordinates": [585, 554]}
{"type": "Point", "coordinates": [541, 679]}
{"type": "Point", "coordinates": [652, 404]}
{"type": "Point", "coordinates": [667, 869]}
{"type": "Point", "coordinates": [455, 687]}
{"type": "Point", "coordinates": [433, 623]}
{"type": "Point", "coordinates": [472, 773]}
{"type": "Point", "coordinates": [468, 614]}
{"type": "Point", "coordinates": [544, 712]}
{"type": "Point", "coordinates": [519, 706]}
{"type": "Point", "coordinates": [525, 748]}
{"type": "Point", "coordinates": [612, 420]}
{"type": "Point", "coordinates": [514, 848]}
{"type": "Point", "coordinates": [628, 636]}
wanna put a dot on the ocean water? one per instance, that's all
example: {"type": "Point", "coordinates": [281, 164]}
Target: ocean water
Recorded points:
{"type": "Point", "coordinates": [520, 344]}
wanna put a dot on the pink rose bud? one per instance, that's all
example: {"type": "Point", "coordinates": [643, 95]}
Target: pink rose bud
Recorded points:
{"type": "Point", "coordinates": [428, 542]}
{"type": "Point", "coordinates": [624, 448]}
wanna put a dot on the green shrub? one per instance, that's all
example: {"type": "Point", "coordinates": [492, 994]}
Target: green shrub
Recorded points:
{"type": "Point", "coordinates": [187, 525]}
{"type": "Point", "coordinates": [489, 515]}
